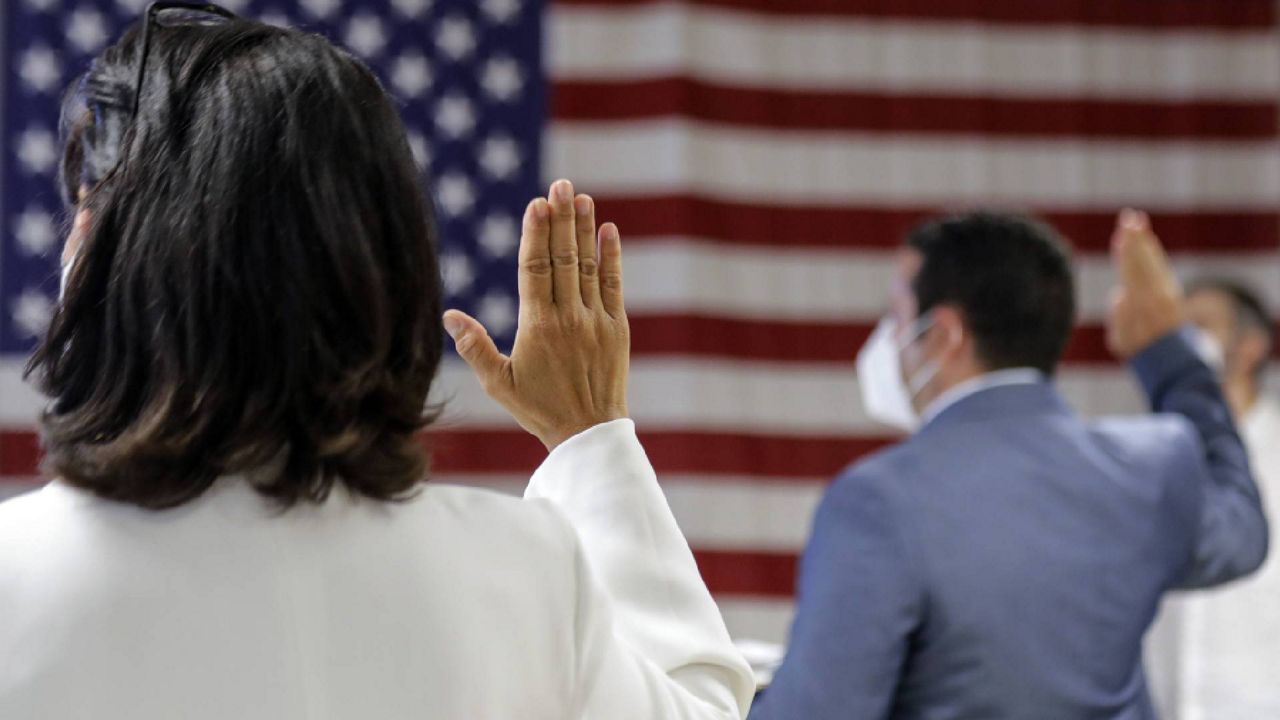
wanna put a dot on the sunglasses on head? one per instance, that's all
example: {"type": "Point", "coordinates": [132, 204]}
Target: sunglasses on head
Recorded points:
{"type": "Point", "coordinates": [173, 14]}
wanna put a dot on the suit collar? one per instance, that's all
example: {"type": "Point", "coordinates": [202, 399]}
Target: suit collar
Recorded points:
{"type": "Point", "coordinates": [996, 378]}
{"type": "Point", "coordinates": [1002, 402]}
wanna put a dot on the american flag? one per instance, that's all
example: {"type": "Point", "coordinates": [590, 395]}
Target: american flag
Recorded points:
{"type": "Point", "coordinates": [763, 159]}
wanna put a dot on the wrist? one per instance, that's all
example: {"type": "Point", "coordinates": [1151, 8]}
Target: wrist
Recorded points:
{"type": "Point", "coordinates": [1155, 336]}
{"type": "Point", "coordinates": [1168, 359]}
{"type": "Point", "coordinates": [554, 437]}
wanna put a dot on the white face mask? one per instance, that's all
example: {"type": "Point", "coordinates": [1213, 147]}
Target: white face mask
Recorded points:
{"type": "Point", "coordinates": [886, 395]}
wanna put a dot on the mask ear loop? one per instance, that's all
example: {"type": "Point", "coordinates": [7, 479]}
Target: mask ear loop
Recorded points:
{"type": "Point", "coordinates": [926, 373]}
{"type": "Point", "coordinates": [922, 377]}
{"type": "Point", "coordinates": [919, 327]}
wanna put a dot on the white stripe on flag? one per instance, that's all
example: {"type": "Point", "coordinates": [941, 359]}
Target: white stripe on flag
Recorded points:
{"type": "Point", "coordinates": [716, 513]}
{"type": "Point", "coordinates": [672, 275]}
{"type": "Point", "coordinates": [665, 156]}
{"type": "Point", "coordinates": [950, 58]}
{"type": "Point", "coordinates": [744, 513]}
{"type": "Point", "coordinates": [790, 398]}
{"type": "Point", "coordinates": [757, 619]}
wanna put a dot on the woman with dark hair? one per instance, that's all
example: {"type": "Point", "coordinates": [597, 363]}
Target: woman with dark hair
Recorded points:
{"type": "Point", "coordinates": [238, 375]}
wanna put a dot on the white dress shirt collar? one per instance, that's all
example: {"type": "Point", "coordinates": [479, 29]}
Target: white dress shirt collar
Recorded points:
{"type": "Point", "coordinates": [981, 383]}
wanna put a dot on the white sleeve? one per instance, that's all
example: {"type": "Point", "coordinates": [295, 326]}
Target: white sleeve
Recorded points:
{"type": "Point", "coordinates": [651, 642]}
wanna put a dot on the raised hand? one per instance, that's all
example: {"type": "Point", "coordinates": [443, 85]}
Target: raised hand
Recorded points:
{"type": "Point", "coordinates": [568, 369]}
{"type": "Point", "coordinates": [1148, 302]}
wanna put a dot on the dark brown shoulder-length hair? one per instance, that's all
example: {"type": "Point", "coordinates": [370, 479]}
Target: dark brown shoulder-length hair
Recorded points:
{"type": "Point", "coordinates": [257, 284]}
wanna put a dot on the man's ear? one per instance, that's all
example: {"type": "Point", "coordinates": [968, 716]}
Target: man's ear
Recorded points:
{"type": "Point", "coordinates": [949, 333]}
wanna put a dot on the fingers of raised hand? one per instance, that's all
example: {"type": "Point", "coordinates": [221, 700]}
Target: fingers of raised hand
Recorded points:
{"type": "Point", "coordinates": [611, 271]}
{"type": "Point", "coordinates": [588, 263]}
{"type": "Point", "coordinates": [1140, 258]}
{"type": "Point", "coordinates": [564, 246]}
{"type": "Point", "coordinates": [535, 273]}
{"type": "Point", "coordinates": [1126, 246]}
{"type": "Point", "coordinates": [565, 264]}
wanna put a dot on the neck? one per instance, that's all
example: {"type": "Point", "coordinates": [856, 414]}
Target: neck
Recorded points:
{"type": "Point", "coordinates": [1242, 393]}
{"type": "Point", "coordinates": [944, 381]}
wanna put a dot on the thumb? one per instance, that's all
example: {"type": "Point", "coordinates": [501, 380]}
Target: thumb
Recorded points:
{"type": "Point", "coordinates": [476, 347]}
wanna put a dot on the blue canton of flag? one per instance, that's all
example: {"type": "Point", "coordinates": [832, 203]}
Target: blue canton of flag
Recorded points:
{"type": "Point", "coordinates": [466, 75]}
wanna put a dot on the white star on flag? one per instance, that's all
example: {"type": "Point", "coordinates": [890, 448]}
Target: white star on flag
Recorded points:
{"type": "Point", "coordinates": [411, 8]}
{"type": "Point", "coordinates": [86, 31]}
{"type": "Point", "coordinates": [35, 231]}
{"type": "Point", "coordinates": [500, 11]}
{"type": "Point", "coordinates": [37, 150]}
{"type": "Point", "coordinates": [499, 235]}
{"type": "Point", "coordinates": [500, 157]}
{"type": "Point", "coordinates": [456, 38]}
{"type": "Point", "coordinates": [455, 116]}
{"type": "Point", "coordinates": [32, 311]}
{"type": "Point", "coordinates": [457, 273]}
{"type": "Point", "coordinates": [41, 5]}
{"type": "Point", "coordinates": [320, 9]}
{"type": "Point", "coordinates": [455, 194]}
{"type": "Point", "coordinates": [502, 79]}
{"type": "Point", "coordinates": [40, 69]}
{"type": "Point", "coordinates": [497, 312]}
{"type": "Point", "coordinates": [411, 75]}
{"type": "Point", "coordinates": [365, 35]}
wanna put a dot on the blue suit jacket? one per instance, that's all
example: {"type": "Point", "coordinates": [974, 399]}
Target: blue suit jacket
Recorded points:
{"type": "Point", "coordinates": [1006, 560]}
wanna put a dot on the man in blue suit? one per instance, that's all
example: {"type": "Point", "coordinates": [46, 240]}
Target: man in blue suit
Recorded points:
{"type": "Point", "coordinates": [1006, 560]}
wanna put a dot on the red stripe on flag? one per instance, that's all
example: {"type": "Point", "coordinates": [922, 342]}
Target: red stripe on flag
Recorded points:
{"type": "Point", "coordinates": [685, 335]}
{"type": "Point", "coordinates": [1144, 14]}
{"type": "Point", "coordinates": [886, 112]}
{"type": "Point", "coordinates": [761, 574]}
{"type": "Point", "coordinates": [19, 453]}
{"type": "Point", "coordinates": [879, 228]}
{"type": "Point", "coordinates": [515, 452]}
{"type": "Point", "coordinates": [707, 336]}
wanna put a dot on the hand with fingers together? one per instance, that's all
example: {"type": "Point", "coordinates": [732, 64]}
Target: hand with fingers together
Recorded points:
{"type": "Point", "coordinates": [568, 369]}
{"type": "Point", "coordinates": [1148, 303]}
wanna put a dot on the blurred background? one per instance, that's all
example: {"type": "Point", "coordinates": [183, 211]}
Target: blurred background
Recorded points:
{"type": "Point", "coordinates": [763, 159]}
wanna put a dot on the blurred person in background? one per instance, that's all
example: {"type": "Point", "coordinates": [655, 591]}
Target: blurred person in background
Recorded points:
{"type": "Point", "coordinates": [1230, 638]}
{"type": "Point", "coordinates": [1006, 560]}
{"type": "Point", "coordinates": [237, 377]}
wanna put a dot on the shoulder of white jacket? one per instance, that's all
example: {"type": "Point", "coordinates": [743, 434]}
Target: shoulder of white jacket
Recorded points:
{"type": "Point", "coordinates": [33, 512]}
{"type": "Point", "coordinates": [489, 511]}
{"type": "Point", "coordinates": [469, 499]}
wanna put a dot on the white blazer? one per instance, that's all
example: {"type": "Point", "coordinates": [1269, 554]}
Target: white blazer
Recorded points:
{"type": "Point", "coordinates": [580, 601]}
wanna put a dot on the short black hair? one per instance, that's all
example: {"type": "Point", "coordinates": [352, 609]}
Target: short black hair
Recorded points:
{"type": "Point", "coordinates": [258, 284]}
{"type": "Point", "coordinates": [1010, 277]}
{"type": "Point", "coordinates": [1249, 309]}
